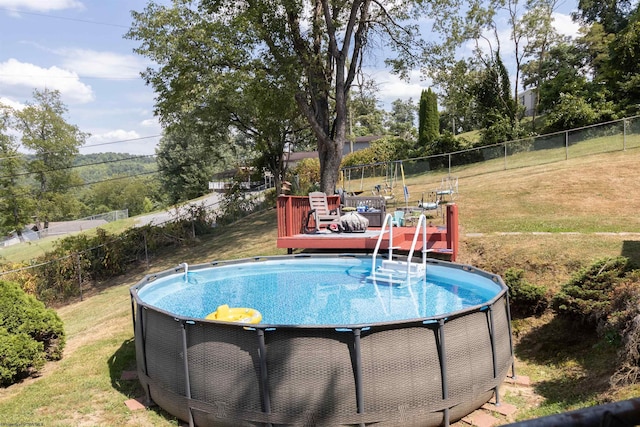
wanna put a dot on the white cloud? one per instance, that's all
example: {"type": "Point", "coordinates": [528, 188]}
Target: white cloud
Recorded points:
{"type": "Point", "coordinates": [112, 136]}
{"type": "Point", "coordinates": [106, 65]}
{"type": "Point", "coordinates": [150, 123]}
{"type": "Point", "coordinates": [120, 140]}
{"type": "Point", "coordinates": [16, 76]}
{"type": "Point", "coordinates": [11, 103]}
{"type": "Point", "coordinates": [565, 25]}
{"type": "Point", "coordinates": [393, 87]}
{"type": "Point", "coordinates": [41, 5]}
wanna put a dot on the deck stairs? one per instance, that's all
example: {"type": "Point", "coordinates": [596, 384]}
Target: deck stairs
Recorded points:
{"type": "Point", "coordinates": [393, 271]}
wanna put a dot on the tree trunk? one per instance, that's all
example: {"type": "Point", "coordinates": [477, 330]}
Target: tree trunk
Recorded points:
{"type": "Point", "coordinates": [330, 153]}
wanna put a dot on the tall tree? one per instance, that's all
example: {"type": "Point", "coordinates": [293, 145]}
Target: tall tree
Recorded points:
{"type": "Point", "coordinates": [611, 14]}
{"type": "Point", "coordinates": [54, 143]}
{"type": "Point", "coordinates": [563, 70]}
{"type": "Point", "coordinates": [422, 119]}
{"type": "Point", "coordinates": [315, 47]}
{"type": "Point", "coordinates": [625, 76]}
{"type": "Point", "coordinates": [455, 83]}
{"type": "Point", "coordinates": [541, 37]}
{"type": "Point", "coordinates": [15, 200]}
{"type": "Point", "coordinates": [365, 117]}
{"type": "Point", "coordinates": [495, 103]}
{"type": "Point", "coordinates": [401, 119]}
{"type": "Point", "coordinates": [429, 120]}
{"type": "Point", "coordinates": [186, 163]}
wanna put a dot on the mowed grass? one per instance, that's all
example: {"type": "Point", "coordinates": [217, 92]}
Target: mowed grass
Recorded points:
{"type": "Point", "coordinates": [546, 219]}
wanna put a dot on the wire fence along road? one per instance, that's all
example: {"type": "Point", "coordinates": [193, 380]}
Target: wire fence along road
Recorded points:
{"type": "Point", "coordinates": [210, 203]}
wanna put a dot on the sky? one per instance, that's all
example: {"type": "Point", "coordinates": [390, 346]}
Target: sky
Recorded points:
{"type": "Point", "coordinates": [78, 48]}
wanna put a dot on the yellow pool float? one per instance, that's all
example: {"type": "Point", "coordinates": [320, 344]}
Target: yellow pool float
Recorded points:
{"type": "Point", "coordinates": [235, 314]}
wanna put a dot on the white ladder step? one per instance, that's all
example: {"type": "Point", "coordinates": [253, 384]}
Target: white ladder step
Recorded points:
{"type": "Point", "coordinates": [388, 279]}
{"type": "Point", "coordinates": [403, 266]}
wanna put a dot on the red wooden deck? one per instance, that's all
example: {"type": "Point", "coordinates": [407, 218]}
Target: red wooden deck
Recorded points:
{"type": "Point", "coordinates": [292, 215]}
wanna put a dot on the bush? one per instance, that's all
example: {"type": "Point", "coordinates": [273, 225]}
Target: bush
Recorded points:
{"type": "Point", "coordinates": [525, 298]}
{"type": "Point", "coordinates": [622, 326]}
{"type": "Point", "coordinates": [385, 149]}
{"type": "Point", "coordinates": [307, 176]}
{"type": "Point", "coordinates": [587, 296]}
{"type": "Point", "coordinates": [21, 356]}
{"type": "Point", "coordinates": [30, 333]}
{"type": "Point", "coordinates": [572, 111]}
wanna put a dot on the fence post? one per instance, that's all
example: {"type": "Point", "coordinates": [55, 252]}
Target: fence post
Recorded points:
{"type": "Point", "coordinates": [624, 134]}
{"type": "Point", "coordinates": [79, 274]}
{"type": "Point", "coordinates": [566, 145]}
{"type": "Point", "coordinates": [146, 251]}
{"type": "Point", "coordinates": [505, 155]}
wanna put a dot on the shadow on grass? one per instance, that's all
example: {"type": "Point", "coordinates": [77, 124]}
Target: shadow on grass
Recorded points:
{"type": "Point", "coordinates": [631, 250]}
{"type": "Point", "coordinates": [124, 360]}
{"type": "Point", "coordinates": [584, 362]}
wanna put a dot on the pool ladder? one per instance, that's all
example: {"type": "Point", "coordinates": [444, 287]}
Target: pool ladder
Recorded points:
{"type": "Point", "coordinates": [395, 272]}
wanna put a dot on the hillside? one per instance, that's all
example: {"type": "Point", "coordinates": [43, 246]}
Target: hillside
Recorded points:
{"type": "Point", "coordinates": [100, 166]}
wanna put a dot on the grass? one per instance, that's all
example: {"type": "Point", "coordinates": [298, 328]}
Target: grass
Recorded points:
{"type": "Point", "coordinates": [33, 249]}
{"type": "Point", "coordinates": [501, 215]}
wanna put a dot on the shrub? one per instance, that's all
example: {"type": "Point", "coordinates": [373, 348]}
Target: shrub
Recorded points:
{"type": "Point", "coordinates": [21, 356]}
{"type": "Point", "coordinates": [572, 111]}
{"type": "Point", "coordinates": [587, 296]}
{"type": "Point", "coordinates": [622, 326]}
{"type": "Point", "coordinates": [524, 297]}
{"type": "Point", "coordinates": [307, 173]}
{"type": "Point", "coordinates": [30, 333]}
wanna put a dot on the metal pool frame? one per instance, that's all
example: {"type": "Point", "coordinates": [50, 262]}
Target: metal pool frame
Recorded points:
{"type": "Point", "coordinates": [419, 372]}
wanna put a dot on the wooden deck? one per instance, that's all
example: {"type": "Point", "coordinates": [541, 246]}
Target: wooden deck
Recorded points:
{"type": "Point", "coordinates": [292, 215]}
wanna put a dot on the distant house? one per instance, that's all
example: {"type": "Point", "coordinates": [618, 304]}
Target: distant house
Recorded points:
{"type": "Point", "coordinates": [528, 98]}
{"type": "Point", "coordinates": [358, 143]}
{"type": "Point", "coordinates": [222, 181]}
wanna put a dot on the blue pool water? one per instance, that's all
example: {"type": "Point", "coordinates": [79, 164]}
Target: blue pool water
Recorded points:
{"type": "Point", "coordinates": [317, 291]}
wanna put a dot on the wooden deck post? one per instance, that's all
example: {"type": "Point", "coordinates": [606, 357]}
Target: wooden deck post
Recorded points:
{"type": "Point", "coordinates": [452, 230]}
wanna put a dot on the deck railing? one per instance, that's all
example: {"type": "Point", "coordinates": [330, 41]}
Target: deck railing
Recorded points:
{"type": "Point", "coordinates": [293, 212]}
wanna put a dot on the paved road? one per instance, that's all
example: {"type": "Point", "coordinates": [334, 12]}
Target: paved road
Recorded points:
{"type": "Point", "coordinates": [210, 202]}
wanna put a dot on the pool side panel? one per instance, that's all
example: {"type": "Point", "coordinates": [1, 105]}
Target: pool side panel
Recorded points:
{"type": "Point", "coordinates": [311, 376]}
{"type": "Point", "coordinates": [402, 382]}
{"type": "Point", "coordinates": [233, 372]}
{"type": "Point", "coordinates": [165, 364]}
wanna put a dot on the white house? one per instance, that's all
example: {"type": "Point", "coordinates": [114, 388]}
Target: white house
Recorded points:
{"type": "Point", "coordinates": [528, 99]}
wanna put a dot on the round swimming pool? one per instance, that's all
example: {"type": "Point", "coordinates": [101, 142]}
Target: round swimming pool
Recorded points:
{"type": "Point", "coordinates": [336, 346]}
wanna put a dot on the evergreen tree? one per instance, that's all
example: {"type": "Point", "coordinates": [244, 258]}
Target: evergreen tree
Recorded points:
{"type": "Point", "coordinates": [429, 120]}
{"type": "Point", "coordinates": [422, 119]}
{"type": "Point", "coordinates": [432, 127]}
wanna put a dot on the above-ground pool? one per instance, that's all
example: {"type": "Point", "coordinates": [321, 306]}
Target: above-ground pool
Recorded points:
{"type": "Point", "coordinates": [334, 347]}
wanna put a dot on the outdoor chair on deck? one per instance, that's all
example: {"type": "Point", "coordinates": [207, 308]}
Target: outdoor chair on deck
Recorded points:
{"type": "Point", "coordinates": [398, 219]}
{"type": "Point", "coordinates": [322, 215]}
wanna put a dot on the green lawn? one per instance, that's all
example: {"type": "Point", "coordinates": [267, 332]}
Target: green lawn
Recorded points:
{"type": "Point", "coordinates": [508, 218]}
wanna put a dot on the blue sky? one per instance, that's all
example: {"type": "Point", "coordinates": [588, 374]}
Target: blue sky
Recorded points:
{"type": "Point", "coordinates": [85, 57]}
{"type": "Point", "coordinates": [77, 47]}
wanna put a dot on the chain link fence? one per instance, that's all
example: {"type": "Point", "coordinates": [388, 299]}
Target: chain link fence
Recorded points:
{"type": "Point", "coordinates": [79, 261]}
{"type": "Point", "coordinates": [618, 135]}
